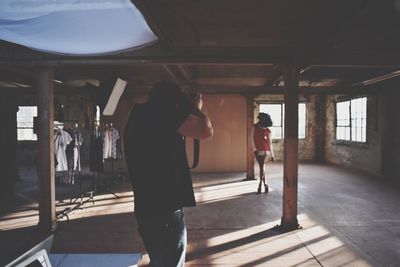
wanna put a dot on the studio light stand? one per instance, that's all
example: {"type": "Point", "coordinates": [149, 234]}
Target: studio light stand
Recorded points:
{"type": "Point", "coordinates": [82, 194]}
{"type": "Point", "coordinates": [108, 186]}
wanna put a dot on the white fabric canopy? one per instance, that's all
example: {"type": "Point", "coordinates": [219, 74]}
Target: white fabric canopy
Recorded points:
{"type": "Point", "coordinates": [74, 27]}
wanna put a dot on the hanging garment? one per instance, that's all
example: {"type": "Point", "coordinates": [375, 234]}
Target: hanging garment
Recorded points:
{"type": "Point", "coordinates": [73, 155]}
{"type": "Point", "coordinates": [110, 137]}
{"type": "Point", "coordinates": [61, 140]}
{"type": "Point", "coordinates": [77, 141]}
{"type": "Point", "coordinates": [69, 151]}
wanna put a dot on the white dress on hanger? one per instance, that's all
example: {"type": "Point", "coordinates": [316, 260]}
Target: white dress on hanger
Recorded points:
{"type": "Point", "coordinates": [110, 140]}
{"type": "Point", "coordinates": [61, 140]}
{"type": "Point", "coordinates": [78, 144]}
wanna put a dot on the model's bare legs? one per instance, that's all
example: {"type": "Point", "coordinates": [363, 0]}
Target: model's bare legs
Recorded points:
{"type": "Point", "coordinates": [261, 161]}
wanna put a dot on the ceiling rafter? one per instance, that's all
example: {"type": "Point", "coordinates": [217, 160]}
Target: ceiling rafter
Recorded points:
{"type": "Point", "coordinates": [380, 78]}
{"type": "Point", "coordinates": [185, 73]}
{"type": "Point", "coordinates": [171, 73]}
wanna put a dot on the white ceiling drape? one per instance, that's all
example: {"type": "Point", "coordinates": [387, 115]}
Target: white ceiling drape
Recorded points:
{"type": "Point", "coordinates": [74, 27]}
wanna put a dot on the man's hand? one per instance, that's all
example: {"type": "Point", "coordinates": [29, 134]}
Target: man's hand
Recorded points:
{"type": "Point", "coordinates": [197, 124]}
{"type": "Point", "coordinates": [272, 158]}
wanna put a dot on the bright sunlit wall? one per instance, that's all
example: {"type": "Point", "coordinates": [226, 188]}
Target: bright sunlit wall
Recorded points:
{"type": "Point", "coordinates": [25, 117]}
{"type": "Point", "coordinates": [351, 120]}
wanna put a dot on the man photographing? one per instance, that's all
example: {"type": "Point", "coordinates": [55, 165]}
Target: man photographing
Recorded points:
{"type": "Point", "coordinates": [158, 168]}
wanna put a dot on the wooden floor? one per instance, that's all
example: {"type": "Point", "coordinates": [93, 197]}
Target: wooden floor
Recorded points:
{"type": "Point", "coordinates": [348, 219]}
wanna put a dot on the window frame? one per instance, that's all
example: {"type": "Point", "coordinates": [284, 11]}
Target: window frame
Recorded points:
{"type": "Point", "coordinates": [342, 141]}
{"type": "Point", "coordinates": [282, 104]}
{"type": "Point", "coordinates": [32, 128]}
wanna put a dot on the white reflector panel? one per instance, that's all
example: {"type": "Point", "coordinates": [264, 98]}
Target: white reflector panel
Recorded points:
{"type": "Point", "coordinates": [116, 93]}
{"type": "Point", "coordinates": [71, 27]}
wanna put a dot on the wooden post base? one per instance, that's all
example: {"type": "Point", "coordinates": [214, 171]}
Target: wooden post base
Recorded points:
{"type": "Point", "coordinates": [249, 178]}
{"type": "Point", "coordinates": [288, 226]}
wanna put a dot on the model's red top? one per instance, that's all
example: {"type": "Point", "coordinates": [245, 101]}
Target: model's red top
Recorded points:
{"type": "Point", "coordinates": [261, 138]}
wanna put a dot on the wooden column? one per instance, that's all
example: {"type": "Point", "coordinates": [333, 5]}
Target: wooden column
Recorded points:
{"type": "Point", "coordinates": [320, 128]}
{"type": "Point", "coordinates": [290, 173]}
{"type": "Point", "coordinates": [250, 123]}
{"type": "Point", "coordinates": [47, 207]}
{"type": "Point", "coordinates": [388, 151]}
{"type": "Point", "coordinates": [9, 145]}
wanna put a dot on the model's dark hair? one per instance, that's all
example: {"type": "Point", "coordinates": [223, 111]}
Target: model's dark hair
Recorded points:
{"type": "Point", "coordinates": [265, 118]}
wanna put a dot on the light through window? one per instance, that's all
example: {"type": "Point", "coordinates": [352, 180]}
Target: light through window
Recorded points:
{"type": "Point", "coordinates": [351, 120]}
{"type": "Point", "coordinates": [97, 118]}
{"type": "Point", "coordinates": [277, 113]}
{"type": "Point", "coordinates": [25, 116]}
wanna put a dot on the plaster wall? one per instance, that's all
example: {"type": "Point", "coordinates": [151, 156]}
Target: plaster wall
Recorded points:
{"type": "Point", "coordinates": [226, 151]}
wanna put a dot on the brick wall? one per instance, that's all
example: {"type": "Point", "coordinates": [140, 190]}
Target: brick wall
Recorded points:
{"type": "Point", "coordinates": [363, 156]}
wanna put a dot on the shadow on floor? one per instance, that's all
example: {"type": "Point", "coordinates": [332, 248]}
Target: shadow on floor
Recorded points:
{"type": "Point", "coordinates": [206, 252]}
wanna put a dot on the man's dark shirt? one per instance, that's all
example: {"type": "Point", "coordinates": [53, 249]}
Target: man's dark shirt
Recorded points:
{"type": "Point", "coordinates": [156, 159]}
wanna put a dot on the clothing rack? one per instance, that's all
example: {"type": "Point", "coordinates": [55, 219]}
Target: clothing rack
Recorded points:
{"type": "Point", "coordinates": [79, 200]}
{"type": "Point", "coordinates": [89, 194]}
{"type": "Point", "coordinates": [108, 125]}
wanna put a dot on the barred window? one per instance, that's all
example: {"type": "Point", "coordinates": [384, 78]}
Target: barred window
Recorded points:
{"type": "Point", "coordinates": [277, 113]}
{"type": "Point", "coordinates": [351, 120]}
{"type": "Point", "coordinates": [25, 116]}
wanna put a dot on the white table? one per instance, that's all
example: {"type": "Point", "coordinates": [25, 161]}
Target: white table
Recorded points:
{"type": "Point", "coordinates": [95, 260]}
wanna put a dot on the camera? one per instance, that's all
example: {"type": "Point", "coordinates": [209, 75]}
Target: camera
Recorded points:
{"type": "Point", "coordinates": [193, 96]}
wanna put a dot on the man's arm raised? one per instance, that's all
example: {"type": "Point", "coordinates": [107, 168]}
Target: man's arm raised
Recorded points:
{"type": "Point", "coordinates": [197, 125]}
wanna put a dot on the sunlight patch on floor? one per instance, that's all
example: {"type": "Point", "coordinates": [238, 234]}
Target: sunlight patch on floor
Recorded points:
{"type": "Point", "coordinates": [20, 219]}
{"type": "Point", "coordinates": [104, 205]}
{"type": "Point", "coordinates": [262, 245]}
{"type": "Point", "coordinates": [221, 192]}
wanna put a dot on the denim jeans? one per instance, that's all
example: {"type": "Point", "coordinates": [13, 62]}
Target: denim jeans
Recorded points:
{"type": "Point", "coordinates": [164, 239]}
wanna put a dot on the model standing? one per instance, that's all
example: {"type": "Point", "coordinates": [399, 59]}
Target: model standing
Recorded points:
{"type": "Point", "coordinates": [262, 146]}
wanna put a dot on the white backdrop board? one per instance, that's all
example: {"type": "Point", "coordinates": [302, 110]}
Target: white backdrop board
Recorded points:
{"type": "Point", "coordinates": [116, 94]}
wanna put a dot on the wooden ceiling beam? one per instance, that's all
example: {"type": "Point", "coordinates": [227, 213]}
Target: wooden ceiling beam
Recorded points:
{"type": "Point", "coordinates": [212, 56]}
{"type": "Point", "coordinates": [272, 90]}
{"type": "Point", "coordinates": [205, 90]}
{"type": "Point", "coordinates": [58, 90]}
{"type": "Point", "coordinates": [302, 90]}
{"type": "Point", "coordinates": [16, 75]}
